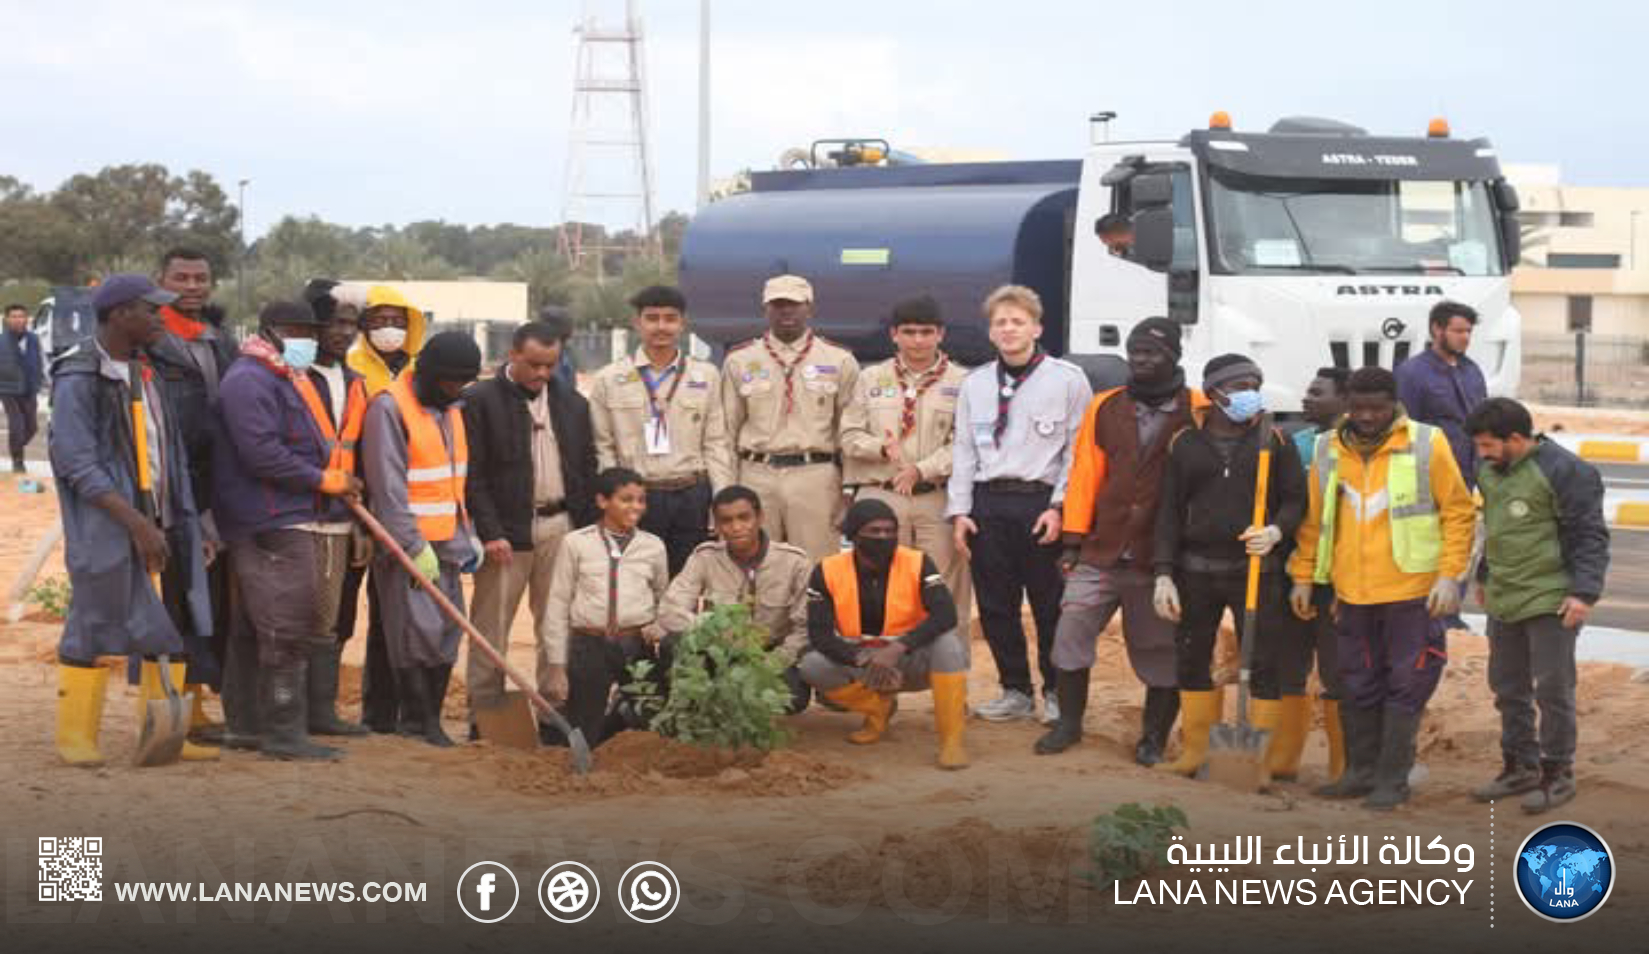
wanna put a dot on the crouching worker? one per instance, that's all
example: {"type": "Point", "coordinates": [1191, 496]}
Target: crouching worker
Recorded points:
{"type": "Point", "coordinates": [603, 605]}
{"type": "Point", "coordinates": [881, 621]}
{"type": "Point", "coordinates": [121, 532]}
{"type": "Point", "coordinates": [745, 566]}
{"type": "Point", "coordinates": [1546, 555]}
{"type": "Point", "coordinates": [415, 456]}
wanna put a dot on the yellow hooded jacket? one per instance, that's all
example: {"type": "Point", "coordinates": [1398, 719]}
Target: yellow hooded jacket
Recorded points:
{"type": "Point", "coordinates": [365, 359]}
{"type": "Point", "coordinates": [1364, 571]}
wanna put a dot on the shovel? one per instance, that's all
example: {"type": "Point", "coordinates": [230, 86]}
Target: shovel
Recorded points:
{"type": "Point", "coordinates": [165, 720]}
{"type": "Point", "coordinates": [1236, 753]}
{"type": "Point", "coordinates": [575, 738]}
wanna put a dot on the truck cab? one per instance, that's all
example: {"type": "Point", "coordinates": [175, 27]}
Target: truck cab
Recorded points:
{"type": "Point", "coordinates": [1309, 245]}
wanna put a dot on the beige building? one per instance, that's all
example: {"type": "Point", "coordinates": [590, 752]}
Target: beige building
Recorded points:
{"type": "Point", "coordinates": [1585, 254]}
{"type": "Point", "coordinates": [490, 310]}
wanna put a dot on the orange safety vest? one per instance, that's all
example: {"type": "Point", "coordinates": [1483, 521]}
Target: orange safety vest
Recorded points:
{"type": "Point", "coordinates": [904, 610]}
{"type": "Point", "coordinates": [435, 481]}
{"type": "Point", "coordinates": [340, 445]}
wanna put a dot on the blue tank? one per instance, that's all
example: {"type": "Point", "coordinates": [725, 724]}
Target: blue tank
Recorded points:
{"type": "Point", "coordinates": [869, 236]}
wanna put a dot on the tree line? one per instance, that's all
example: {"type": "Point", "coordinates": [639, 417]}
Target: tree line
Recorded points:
{"type": "Point", "coordinates": [122, 218]}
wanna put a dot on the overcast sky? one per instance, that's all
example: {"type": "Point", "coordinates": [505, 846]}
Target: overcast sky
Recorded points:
{"type": "Point", "coordinates": [370, 111]}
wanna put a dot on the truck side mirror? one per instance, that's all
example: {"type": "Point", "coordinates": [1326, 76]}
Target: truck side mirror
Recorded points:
{"type": "Point", "coordinates": [1150, 190]}
{"type": "Point", "coordinates": [1511, 239]}
{"type": "Point", "coordinates": [1505, 196]}
{"type": "Point", "coordinates": [1154, 238]}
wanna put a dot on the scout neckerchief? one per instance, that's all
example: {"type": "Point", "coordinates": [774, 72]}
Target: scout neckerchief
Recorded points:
{"type": "Point", "coordinates": [750, 569]}
{"type": "Point", "coordinates": [1009, 382]}
{"type": "Point", "coordinates": [789, 368]}
{"type": "Point", "coordinates": [912, 390]}
{"type": "Point", "coordinates": [674, 373]}
{"type": "Point", "coordinates": [615, 554]}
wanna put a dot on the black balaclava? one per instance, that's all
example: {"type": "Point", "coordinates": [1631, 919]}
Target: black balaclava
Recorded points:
{"type": "Point", "coordinates": [878, 553]}
{"type": "Point", "coordinates": [448, 356]}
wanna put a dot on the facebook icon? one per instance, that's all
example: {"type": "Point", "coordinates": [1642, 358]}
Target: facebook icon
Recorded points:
{"type": "Point", "coordinates": [482, 892]}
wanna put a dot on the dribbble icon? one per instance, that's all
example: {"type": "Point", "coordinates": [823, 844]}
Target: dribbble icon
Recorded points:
{"type": "Point", "coordinates": [649, 892]}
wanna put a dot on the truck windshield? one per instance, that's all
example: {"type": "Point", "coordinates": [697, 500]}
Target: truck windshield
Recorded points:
{"type": "Point", "coordinates": [1351, 227]}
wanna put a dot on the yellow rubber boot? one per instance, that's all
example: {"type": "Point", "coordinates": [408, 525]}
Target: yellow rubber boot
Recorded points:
{"type": "Point", "coordinates": [1267, 715]}
{"type": "Point", "coordinates": [79, 713]}
{"type": "Point", "coordinates": [198, 718]}
{"type": "Point", "coordinates": [1198, 711]}
{"type": "Point", "coordinates": [1289, 719]}
{"type": "Point", "coordinates": [150, 689]}
{"type": "Point", "coordinates": [1336, 738]}
{"type": "Point", "coordinates": [874, 706]}
{"type": "Point", "coordinates": [950, 715]}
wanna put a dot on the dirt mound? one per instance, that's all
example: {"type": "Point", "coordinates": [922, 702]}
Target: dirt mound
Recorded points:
{"type": "Point", "coordinates": [1036, 873]}
{"type": "Point", "coordinates": [456, 705]}
{"type": "Point", "coordinates": [643, 763]}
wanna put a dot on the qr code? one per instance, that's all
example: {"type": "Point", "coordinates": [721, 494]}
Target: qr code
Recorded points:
{"type": "Point", "coordinates": [71, 869]}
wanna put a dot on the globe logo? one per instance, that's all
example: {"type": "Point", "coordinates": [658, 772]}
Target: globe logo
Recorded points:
{"type": "Point", "coordinates": [1564, 871]}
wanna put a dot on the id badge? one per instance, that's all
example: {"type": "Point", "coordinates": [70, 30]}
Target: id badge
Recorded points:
{"type": "Point", "coordinates": [658, 437]}
{"type": "Point", "coordinates": [984, 433]}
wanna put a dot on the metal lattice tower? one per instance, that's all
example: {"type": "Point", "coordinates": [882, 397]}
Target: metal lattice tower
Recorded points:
{"type": "Point", "coordinates": [609, 174]}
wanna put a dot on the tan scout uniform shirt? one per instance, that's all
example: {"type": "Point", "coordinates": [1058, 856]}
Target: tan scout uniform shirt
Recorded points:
{"type": "Point", "coordinates": [753, 394]}
{"type": "Point", "coordinates": [878, 406]}
{"type": "Point", "coordinates": [777, 596]}
{"type": "Point", "coordinates": [693, 421]}
{"type": "Point", "coordinates": [580, 587]}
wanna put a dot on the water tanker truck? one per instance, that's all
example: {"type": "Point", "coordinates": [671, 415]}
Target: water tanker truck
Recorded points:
{"type": "Point", "coordinates": [1311, 244]}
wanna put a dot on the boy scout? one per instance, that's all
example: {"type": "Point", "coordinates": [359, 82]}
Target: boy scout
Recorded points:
{"type": "Point", "coordinates": [656, 412]}
{"type": "Point", "coordinates": [744, 566]}
{"type": "Point", "coordinates": [783, 394]}
{"type": "Point", "coordinates": [896, 437]}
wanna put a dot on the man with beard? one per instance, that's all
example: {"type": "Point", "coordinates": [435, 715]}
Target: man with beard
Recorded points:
{"type": "Point", "coordinates": [116, 536]}
{"type": "Point", "coordinates": [783, 395]}
{"type": "Point", "coordinates": [1390, 526]}
{"type": "Point", "coordinates": [416, 457]}
{"type": "Point", "coordinates": [1118, 460]}
{"type": "Point", "coordinates": [532, 474]}
{"type": "Point", "coordinates": [190, 359]}
{"type": "Point", "coordinates": [279, 465]}
{"type": "Point", "coordinates": [1016, 417]}
{"type": "Point", "coordinates": [881, 621]}
{"type": "Point", "coordinates": [1441, 385]}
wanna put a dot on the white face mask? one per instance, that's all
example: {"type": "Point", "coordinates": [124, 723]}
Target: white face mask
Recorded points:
{"type": "Point", "coordinates": [387, 339]}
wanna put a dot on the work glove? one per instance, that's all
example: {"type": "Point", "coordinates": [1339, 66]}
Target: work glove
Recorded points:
{"type": "Point", "coordinates": [1165, 600]}
{"type": "Point", "coordinates": [1444, 598]}
{"type": "Point", "coordinates": [1299, 600]}
{"type": "Point", "coordinates": [1261, 540]}
{"type": "Point", "coordinates": [428, 566]}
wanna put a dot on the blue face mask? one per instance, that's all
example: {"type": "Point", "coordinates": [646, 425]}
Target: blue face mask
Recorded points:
{"type": "Point", "coordinates": [299, 353]}
{"type": "Point", "coordinates": [1243, 406]}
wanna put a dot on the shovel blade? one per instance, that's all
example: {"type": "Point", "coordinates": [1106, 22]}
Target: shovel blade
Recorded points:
{"type": "Point", "coordinates": [580, 752]}
{"type": "Point", "coordinates": [165, 727]}
{"type": "Point", "coordinates": [508, 723]}
{"type": "Point", "coordinates": [1236, 757]}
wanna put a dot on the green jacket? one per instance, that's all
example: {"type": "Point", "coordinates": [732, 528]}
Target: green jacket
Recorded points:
{"type": "Point", "coordinates": [1547, 538]}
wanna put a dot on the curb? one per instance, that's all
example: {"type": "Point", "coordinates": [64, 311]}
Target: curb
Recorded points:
{"type": "Point", "coordinates": [1605, 448]}
{"type": "Point", "coordinates": [1626, 511]}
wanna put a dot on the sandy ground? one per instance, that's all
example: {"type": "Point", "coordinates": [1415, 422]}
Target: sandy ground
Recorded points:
{"type": "Point", "coordinates": [822, 843]}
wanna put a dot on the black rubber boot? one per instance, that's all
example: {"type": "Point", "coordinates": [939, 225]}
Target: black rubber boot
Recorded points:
{"type": "Point", "coordinates": [1361, 728]}
{"type": "Point", "coordinates": [1071, 687]}
{"type": "Point", "coordinates": [436, 694]}
{"type": "Point", "coordinates": [284, 697]}
{"type": "Point", "coordinates": [1398, 731]}
{"type": "Point", "coordinates": [323, 695]}
{"type": "Point", "coordinates": [1156, 721]}
{"type": "Point", "coordinates": [412, 698]}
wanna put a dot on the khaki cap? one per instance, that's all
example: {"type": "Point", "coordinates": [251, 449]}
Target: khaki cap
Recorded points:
{"type": "Point", "coordinates": [787, 288]}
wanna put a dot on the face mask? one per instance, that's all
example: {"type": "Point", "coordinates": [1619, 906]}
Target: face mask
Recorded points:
{"type": "Point", "coordinates": [877, 552]}
{"type": "Point", "coordinates": [299, 353]}
{"type": "Point", "coordinates": [1243, 406]}
{"type": "Point", "coordinates": [387, 339]}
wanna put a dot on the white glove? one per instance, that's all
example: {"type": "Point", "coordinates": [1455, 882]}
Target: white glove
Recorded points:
{"type": "Point", "coordinates": [1299, 600]}
{"type": "Point", "coordinates": [1261, 540]}
{"type": "Point", "coordinates": [1444, 598]}
{"type": "Point", "coordinates": [1166, 599]}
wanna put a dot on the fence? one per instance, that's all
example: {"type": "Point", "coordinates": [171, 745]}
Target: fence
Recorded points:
{"type": "Point", "coordinates": [1585, 370]}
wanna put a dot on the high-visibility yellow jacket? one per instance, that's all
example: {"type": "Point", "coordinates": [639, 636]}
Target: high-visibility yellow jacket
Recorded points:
{"type": "Point", "coordinates": [1367, 561]}
{"type": "Point", "coordinates": [365, 359]}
